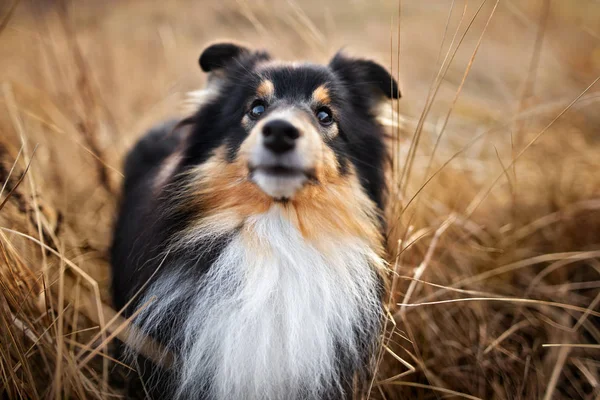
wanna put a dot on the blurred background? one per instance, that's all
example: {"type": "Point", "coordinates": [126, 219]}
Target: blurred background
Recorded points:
{"type": "Point", "coordinates": [494, 205]}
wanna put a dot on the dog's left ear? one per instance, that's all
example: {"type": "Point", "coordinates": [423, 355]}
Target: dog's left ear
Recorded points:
{"type": "Point", "coordinates": [365, 76]}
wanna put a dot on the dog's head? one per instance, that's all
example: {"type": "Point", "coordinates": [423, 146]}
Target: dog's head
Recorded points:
{"type": "Point", "coordinates": [285, 128]}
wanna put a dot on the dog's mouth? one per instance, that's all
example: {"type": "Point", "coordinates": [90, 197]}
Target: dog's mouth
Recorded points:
{"type": "Point", "coordinates": [279, 181]}
{"type": "Point", "coordinates": [280, 171]}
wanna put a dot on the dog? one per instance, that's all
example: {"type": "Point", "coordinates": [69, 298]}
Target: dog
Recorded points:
{"type": "Point", "coordinates": [250, 239]}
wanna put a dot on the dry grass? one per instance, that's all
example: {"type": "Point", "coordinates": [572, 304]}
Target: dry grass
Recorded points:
{"type": "Point", "coordinates": [495, 211]}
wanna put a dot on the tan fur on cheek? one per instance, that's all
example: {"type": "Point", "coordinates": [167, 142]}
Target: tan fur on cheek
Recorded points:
{"type": "Point", "coordinates": [339, 208]}
{"type": "Point", "coordinates": [220, 187]}
{"type": "Point", "coordinates": [328, 170]}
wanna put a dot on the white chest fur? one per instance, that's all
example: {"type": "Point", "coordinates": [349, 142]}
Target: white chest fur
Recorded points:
{"type": "Point", "coordinates": [271, 313]}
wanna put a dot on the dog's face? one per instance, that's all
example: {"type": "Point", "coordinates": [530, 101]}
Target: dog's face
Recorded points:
{"type": "Point", "coordinates": [286, 127]}
{"type": "Point", "coordinates": [291, 130]}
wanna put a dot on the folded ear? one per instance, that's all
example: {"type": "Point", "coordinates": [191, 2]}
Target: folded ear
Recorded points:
{"type": "Point", "coordinates": [365, 76]}
{"type": "Point", "coordinates": [218, 55]}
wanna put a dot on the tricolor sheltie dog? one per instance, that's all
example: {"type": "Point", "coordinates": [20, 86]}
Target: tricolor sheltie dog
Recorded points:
{"type": "Point", "coordinates": [251, 233]}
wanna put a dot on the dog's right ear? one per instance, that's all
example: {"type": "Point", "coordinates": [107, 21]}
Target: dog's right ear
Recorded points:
{"type": "Point", "coordinates": [218, 55]}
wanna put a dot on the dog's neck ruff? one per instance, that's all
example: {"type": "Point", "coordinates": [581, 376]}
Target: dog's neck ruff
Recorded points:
{"type": "Point", "coordinates": [275, 317]}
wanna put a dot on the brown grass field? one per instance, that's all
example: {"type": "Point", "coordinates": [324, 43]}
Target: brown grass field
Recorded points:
{"type": "Point", "coordinates": [494, 206]}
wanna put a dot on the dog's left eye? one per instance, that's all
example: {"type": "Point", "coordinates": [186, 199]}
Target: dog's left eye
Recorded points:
{"type": "Point", "coordinates": [324, 116]}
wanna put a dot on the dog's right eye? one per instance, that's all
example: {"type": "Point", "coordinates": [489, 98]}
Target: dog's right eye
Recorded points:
{"type": "Point", "coordinates": [257, 109]}
{"type": "Point", "coordinates": [324, 116]}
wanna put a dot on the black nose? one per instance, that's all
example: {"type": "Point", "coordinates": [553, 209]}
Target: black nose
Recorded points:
{"type": "Point", "coordinates": [280, 136]}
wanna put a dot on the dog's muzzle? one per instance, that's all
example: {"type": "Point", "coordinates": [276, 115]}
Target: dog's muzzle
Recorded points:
{"type": "Point", "coordinates": [280, 164]}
